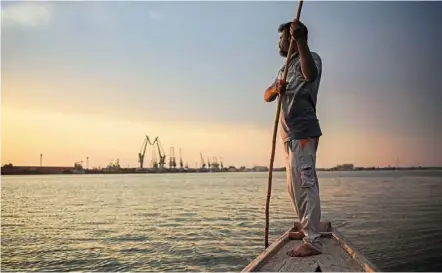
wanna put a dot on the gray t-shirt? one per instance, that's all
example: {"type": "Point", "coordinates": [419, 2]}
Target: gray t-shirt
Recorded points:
{"type": "Point", "coordinates": [298, 103]}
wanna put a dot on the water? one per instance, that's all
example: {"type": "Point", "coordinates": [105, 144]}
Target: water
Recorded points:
{"type": "Point", "coordinates": [208, 222]}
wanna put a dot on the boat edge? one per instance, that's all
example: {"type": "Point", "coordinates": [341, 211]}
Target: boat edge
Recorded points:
{"type": "Point", "coordinates": [267, 253]}
{"type": "Point", "coordinates": [354, 253]}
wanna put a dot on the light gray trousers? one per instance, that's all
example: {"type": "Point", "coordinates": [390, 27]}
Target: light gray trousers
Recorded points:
{"type": "Point", "coordinates": [303, 187]}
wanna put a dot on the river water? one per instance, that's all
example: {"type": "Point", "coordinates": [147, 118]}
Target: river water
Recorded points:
{"type": "Point", "coordinates": [208, 222]}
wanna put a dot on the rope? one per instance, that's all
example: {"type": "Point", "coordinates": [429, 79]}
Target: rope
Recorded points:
{"type": "Point", "coordinates": [275, 131]}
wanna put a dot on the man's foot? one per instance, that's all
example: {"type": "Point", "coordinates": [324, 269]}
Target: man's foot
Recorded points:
{"type": "Point", "coordinates": [298, 235]}
{"type": "Point", "coordinates": [303, 250]}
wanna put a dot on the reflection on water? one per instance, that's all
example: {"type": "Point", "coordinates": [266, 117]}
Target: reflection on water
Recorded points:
{"type": "Point", "coordinates": [208, 222]}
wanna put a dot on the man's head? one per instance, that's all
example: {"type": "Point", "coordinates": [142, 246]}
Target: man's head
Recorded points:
{"type": "Point", "coordinates": [284, 38]}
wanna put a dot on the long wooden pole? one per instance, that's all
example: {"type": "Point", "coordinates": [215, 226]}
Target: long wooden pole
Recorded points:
{"type": "Point", "coordinates": [275, 130]}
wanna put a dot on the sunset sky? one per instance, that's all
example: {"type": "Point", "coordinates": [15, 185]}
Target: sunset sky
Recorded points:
{"type": "Point", "coordinates": [89, 79]}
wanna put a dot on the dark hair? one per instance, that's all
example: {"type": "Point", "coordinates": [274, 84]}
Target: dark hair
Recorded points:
{"type": "Point", "coordinates": [286, 26]}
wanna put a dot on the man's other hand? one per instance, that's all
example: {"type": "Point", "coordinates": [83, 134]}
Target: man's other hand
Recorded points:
{"type": "Point", "coordinates": [297, 30]}
{"type": "Point", "coordinates": [280, 86]}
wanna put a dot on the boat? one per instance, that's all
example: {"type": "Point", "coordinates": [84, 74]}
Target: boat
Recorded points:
{"type": "Point", "coordinates": [339, 255]}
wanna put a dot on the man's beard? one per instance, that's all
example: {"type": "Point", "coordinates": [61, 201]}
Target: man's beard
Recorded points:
{"type": "Point", "coordinates": [283, 52]}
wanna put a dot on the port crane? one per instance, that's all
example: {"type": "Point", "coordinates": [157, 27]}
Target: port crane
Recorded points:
{"type": "Point", "coordinates": [203, 164]}
{"type": "Point", "coordinates": [215, 164]}
{"type": "Point", "coordinates": [161, 153]}
{"type": "Point", "coordinates": [172, 162]}
{"type": "Point", "coordinates": [181, 160]}
{"type": "Point", "coordinates": [143, 151]}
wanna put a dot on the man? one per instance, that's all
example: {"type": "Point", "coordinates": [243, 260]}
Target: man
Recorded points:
{"type": "Point", "coordinates": [300, 132]}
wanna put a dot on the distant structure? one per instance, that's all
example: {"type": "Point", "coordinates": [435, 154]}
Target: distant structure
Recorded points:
{"type": "Point", "coordinates": [345, 167]}
{"type": "Point", "coordinates": [259, 168]}
{"type": "Point", "coordinates": [175, 164]}
{"type": "Point", "coordinates": [161, 153]}
{"type": "Point", "coordinates": [154, 162]}
{"type": "Point", "coordinates": [143, 151]}
{"type": "Point", "coordinates": [215, 164]}
{"type": "Point", "coordinates": [181, 160]}
{"type": "Point", "coordinates": [113, 167]}
{"type": "Point", "coordinates": [41, 160]}
{"type": "Point", "coordinates": [172, 162]}
{"type": "Point", "coordinates": [78, 167]}
{"type": "Point", "coordinates": [203, 164]}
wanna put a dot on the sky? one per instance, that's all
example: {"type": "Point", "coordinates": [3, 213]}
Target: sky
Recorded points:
{"type": "Point", "coordinates": [90, 79]}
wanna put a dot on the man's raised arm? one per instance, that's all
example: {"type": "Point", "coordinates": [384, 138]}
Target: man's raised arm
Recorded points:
{"type": "Point", "coordinates": [308, 65]}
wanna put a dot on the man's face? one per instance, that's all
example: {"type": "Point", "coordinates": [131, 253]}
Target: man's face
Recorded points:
{"type": "Point", "coordinates": [284, 43]}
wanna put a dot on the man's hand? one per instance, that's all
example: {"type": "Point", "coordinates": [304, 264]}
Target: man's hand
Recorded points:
{"type": "Point", "coordinates": [272, 92]}
{"type": "Point", "coordinates": [280, 87]}
{"type": "Point", "coordinates": [297, 30]}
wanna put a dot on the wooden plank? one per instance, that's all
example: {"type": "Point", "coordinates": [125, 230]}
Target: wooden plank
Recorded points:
{"type": "Point", "coordinates": [278, 260]}
{"type": "Point", "coordinates": [296, 264]}
{"type": "Point", "coordinates": [327, 263]}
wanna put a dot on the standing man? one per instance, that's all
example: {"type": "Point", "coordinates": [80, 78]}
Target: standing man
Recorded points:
{"type": "Point", "coordinates": [300, 132]}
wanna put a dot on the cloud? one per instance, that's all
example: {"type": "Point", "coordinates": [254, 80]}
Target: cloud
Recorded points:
{"type": "Point", "coordinates": [154, 15]}
{"type": "Point", "coordinates": [28, 14]}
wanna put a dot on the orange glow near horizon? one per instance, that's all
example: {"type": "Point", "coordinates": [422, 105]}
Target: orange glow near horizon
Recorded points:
{"type": "Point", "coordinates": [66, 138]}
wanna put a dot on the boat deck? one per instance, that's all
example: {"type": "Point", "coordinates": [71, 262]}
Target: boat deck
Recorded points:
{"type": "Point", "coordinates": [338, 256]}
{"type": "Point", "coordinates": [334, 259]}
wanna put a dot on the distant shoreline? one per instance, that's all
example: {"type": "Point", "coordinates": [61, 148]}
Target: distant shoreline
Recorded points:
{"type": "Point", "coordinates": [46, 170]}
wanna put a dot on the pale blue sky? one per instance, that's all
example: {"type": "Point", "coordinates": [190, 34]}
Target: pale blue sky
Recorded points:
{"type": "Point", "coordinates": [211, 61]}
